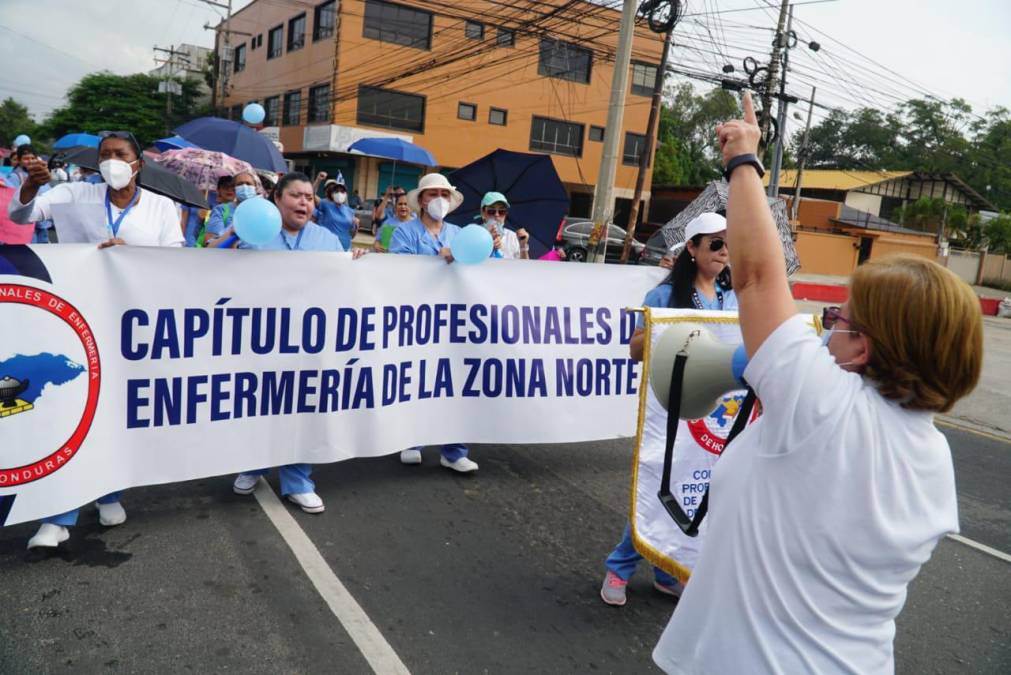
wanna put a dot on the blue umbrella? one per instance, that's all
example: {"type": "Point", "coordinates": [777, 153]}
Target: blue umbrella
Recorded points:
{"type": "Point", "coordinates": [172, 143]}
{"type": "Point", "coordinates": [393, 148]}
{"type": "Point", "coordinates": [76, 140]}
{"type": "Point", "coordinates": [537, 198]}
{"type": "Point", "coordinates": [234, 139]}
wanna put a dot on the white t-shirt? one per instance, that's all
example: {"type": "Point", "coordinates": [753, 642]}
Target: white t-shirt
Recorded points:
{"type": "Point", "coordinates": [820, 515]}
{"type": "Point", "coordinates": [153, 220]}
{"type": "Point", "coordinates": [510, 248]}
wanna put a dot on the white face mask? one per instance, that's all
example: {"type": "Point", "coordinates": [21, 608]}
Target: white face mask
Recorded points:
{"type": "Point", "coordinates": [116, 173]}
{"type": "Point", "coordinates": [438, 208]}
{"type": "Point", "coordinates": [493, 223]}
{"type": "Point", "coordinates": [340, 197]}
{"type": "Point", "coordinates": [58, 176]}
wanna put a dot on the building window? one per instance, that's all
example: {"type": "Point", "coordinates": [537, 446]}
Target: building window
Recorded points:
{"type": "Point", "coordinates": [235, 112]}
{"type": "Point", "coordinates": [324, 18]}
{"type": "Point", "coordinates": [319, 103]}
{"type": "Point", "coordinates": [275, 42]}
{"type": "Point", "coordinates": [597, 134]}
{"type": "Point", "coordinates": [644, 77]}
{"type": "Point", "coordinates": [564, 61]}
{"type": "Point", "coordinates": [498, 116]}
{"type": "Point", "coordinates": [271, 106]}
{"type": "Point", "coordinates": [635, 144]}
{"type": "Point", "coordinates": [240, 58]}
{"type": "Point", "coordinates": [556, 136]}
{"type": "Point", "coordinates": [296, 33]}
{"type": "Point", "coordinates": [466, 111]}
{"type": "Point", "coordinates": [387, 108]}
{"type": "Point", "coordinates": [292, 108]}
{"type": "Point", "coordinates": [474, 30]}
{"type": "Point", "coordinates": [505, 38]}
{"type": "Point", "coordinates": [259, 40]}
{"type": "Point", "coordinates": [397, 24]}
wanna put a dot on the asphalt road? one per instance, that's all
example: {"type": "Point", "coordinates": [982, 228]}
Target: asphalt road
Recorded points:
{"type": "Point", "coordinates": [494, 572]}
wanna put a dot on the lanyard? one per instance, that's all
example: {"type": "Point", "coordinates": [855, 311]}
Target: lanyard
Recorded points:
{"type": "Point", "coordinates": [298, 240]}
{"type": "Point", "coordinates": [114, 226]}
{"type": "Point", "coordinates": [697, 301]}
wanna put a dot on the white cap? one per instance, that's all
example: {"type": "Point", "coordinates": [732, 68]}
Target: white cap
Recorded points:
{"type": "Point", "coordinates": [706, 223]}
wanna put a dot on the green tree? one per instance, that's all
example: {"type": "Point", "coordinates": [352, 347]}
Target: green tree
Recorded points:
{"type": "Point", "coordinates": [14, 120]}
{"type": "Point", "coordinates": [130, 102]}
{"type": "Point", "coordinates": [688, 152]}
{"type": "Point", "coordinates": [998, 234]}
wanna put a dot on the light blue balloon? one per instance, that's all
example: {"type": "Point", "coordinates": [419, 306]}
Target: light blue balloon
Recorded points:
{"type": "Point", "coordinates": [472, 245]}
{"type": "Point", "coordinates": [257, 221]}
{"type": "Point", "coordinates": [22, 139]}
{"type": "Point", "coordinates": [253, 113]}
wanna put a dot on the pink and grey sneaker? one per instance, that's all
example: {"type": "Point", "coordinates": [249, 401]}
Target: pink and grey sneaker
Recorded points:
{"type": "Point", "coordinates": [613, 590]}
{"type": "Point", "coordinates": [674, 590]}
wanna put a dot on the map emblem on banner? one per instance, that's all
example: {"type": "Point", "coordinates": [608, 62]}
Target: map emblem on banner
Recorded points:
{"type": "Point", "coordinates": [50, 376]}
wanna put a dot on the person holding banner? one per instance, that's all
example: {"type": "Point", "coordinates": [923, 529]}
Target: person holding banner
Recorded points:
{"type": "Point", "coordinates": [293, 197]}
{"type": "Point", "coordinates": [512, 245]}
{"type": "Point", "coordinates": [699, 279]}
{"type": "Point", "coordinates": [824, 510]}
{"type": "Point", "coordinates": [431, 234]}
{"type": "Point", "coordinates": [133, 216]}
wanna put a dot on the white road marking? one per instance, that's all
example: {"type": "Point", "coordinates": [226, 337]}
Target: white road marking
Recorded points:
{"type": "Point", "coordinates": [1001, 555]}
{"type": "Point", "coordinates": [373, 646]}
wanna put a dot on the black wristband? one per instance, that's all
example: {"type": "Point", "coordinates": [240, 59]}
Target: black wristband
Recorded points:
{"type": "Point", "coordinates": [741, 160]}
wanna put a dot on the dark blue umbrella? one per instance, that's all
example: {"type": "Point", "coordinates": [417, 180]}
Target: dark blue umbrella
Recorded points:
{"type": "Point", "coordinates": [76, 140]}
{"type": "Point", "coordinates": [172, 143]}
{"type": "Point", "coordinates": [234, 139]}
{"type": "Point", "coordinates": [537, 199]}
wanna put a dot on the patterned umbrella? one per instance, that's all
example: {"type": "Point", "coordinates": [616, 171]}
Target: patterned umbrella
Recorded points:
{"type": "Point", "coordinates": [203, 167]}
{"type": "Point", "coordinates": [714, 198]}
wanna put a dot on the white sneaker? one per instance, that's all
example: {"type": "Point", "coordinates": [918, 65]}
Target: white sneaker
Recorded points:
{"type": "Point", "coordinates": [410, 456]}
{"type": "Point", "coordinates": [49, 536]}
{"type": "Point", "coordinates": [309, 501]}
{"type": "Point", "coordinates": [245, 484]}
{"type": "Point", "coordinates": [462, 465]}
{"type": "Point", "coordinates": [112, 514]}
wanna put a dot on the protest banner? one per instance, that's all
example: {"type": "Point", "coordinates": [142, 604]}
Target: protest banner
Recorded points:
{"type": "Point", "coordinates": [136, 366]}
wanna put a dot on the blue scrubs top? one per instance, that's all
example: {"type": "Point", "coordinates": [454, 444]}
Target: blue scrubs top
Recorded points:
{"type": "Point", "coordinates": [412, 237]}
{"type": "Point", "coordinates": [220, 218]}
{"type": "Point", "coordinates": [660, 297]}
{"type": "Point", "coordinates": [338, 219]}
{"type": "Point", "coordinates": [312, 237]}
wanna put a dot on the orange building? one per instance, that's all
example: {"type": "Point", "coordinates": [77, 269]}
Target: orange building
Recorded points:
{"type": "Point", "coordinates": [458, 78]}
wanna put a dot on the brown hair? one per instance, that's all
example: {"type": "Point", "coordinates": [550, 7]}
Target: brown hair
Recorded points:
{"type": "Point", "coordinates": [925, 328]}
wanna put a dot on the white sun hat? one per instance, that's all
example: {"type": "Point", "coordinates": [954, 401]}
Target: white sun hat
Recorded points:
{"type": "Point", "coordinates": [434, 181]}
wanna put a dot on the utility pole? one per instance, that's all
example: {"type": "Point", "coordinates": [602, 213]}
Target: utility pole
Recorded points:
{"type": "Point", "coordinates": [603, 194]}
{"type": "Point", "coordinates": [647, 151]}
{"type": "Point", "coordinates": [803, 159]}
{"type": "Point", "coordinates": [783, 40]}
{"type": "Point", "coordinates": [168, 83]}
{"type": "Point", "coordinates": [221, 63]}
{"type": "Point", "coordinates": [777, 46]}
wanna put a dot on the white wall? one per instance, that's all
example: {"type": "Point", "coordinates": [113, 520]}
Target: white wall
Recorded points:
{"type": "Point", "coordinates": [864, 202]}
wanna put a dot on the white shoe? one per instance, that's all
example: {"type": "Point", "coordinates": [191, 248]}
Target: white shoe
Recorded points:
{"type": "Point", "coordinates": [112, 514]}
{"type": "Point", "coordinates": [49, 536]}
{"type": "Point", "coordinates": [309, 501]}
{"type": "Point", "coordinates": [245, 484]}
{"type": "Point", "coordinates": [462, 465]}
{"type": "Point", "coordinates": [410, 456]}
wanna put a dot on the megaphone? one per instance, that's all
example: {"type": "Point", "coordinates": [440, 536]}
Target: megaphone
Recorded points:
{"type": "Point", "coordinates": [711, 368]}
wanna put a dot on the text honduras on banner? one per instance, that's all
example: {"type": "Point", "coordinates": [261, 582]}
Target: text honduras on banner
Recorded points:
{"type": "Point", "coordinates": [137, 366]}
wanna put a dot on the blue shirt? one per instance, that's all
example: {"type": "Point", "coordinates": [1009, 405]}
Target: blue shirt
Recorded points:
{"type": "Point", "coordinates": [338, 218]}
{"type": "Point", "coordinates": [412, 237]}
{"type": "Point", "coordinates": [312, 237]}
{"type": "Point", "coordinates": [660, 297]}
{"type": "Point", "coordinates": [220, 219]}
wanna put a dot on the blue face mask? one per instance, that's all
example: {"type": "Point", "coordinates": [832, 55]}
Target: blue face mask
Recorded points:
{"type": "Point", "coordinates": [244, 192]}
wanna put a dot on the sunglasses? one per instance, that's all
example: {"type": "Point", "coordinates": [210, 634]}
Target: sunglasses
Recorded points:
{"type": "Point", "coordinates": [498, 212]}
{"type": "Point", "coordinates": [830, 316]}
{"type": "Point", "coordinates": [716, 244]}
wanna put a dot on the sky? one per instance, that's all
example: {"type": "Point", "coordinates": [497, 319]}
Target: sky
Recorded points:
{"type": "Point", "coordinates": [947, 48]}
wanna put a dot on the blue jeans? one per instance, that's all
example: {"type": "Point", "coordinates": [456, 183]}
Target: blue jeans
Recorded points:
{"type": "Point", "coordinates": [451, 451]}
{"type": "Point", "coordinates": [69, 519]}
{"type": "Point", "coordinates": [624, 558]}
{"type": "Point", "coordinates": [294, 478]}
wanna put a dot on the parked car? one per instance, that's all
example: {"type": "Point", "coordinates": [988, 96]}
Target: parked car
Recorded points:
{"type": "Point", "coordinates": [654, 250]}
{"type": "Point", "coordinates": [575, 237]}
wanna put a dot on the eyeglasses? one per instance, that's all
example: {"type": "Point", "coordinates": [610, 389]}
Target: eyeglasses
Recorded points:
{"type": "Point", "coordinates": [830, 316]}
{"type": "Point", "coordinates": [716, 244]}
{"type": "Point", "coordinates": [497, 212]}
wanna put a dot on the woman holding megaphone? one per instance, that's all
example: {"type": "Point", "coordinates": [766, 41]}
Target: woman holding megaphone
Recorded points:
{"type": "Point", "coordinates": [824, 509]}
{"type": "Point", "coordinates": [699, 279]}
